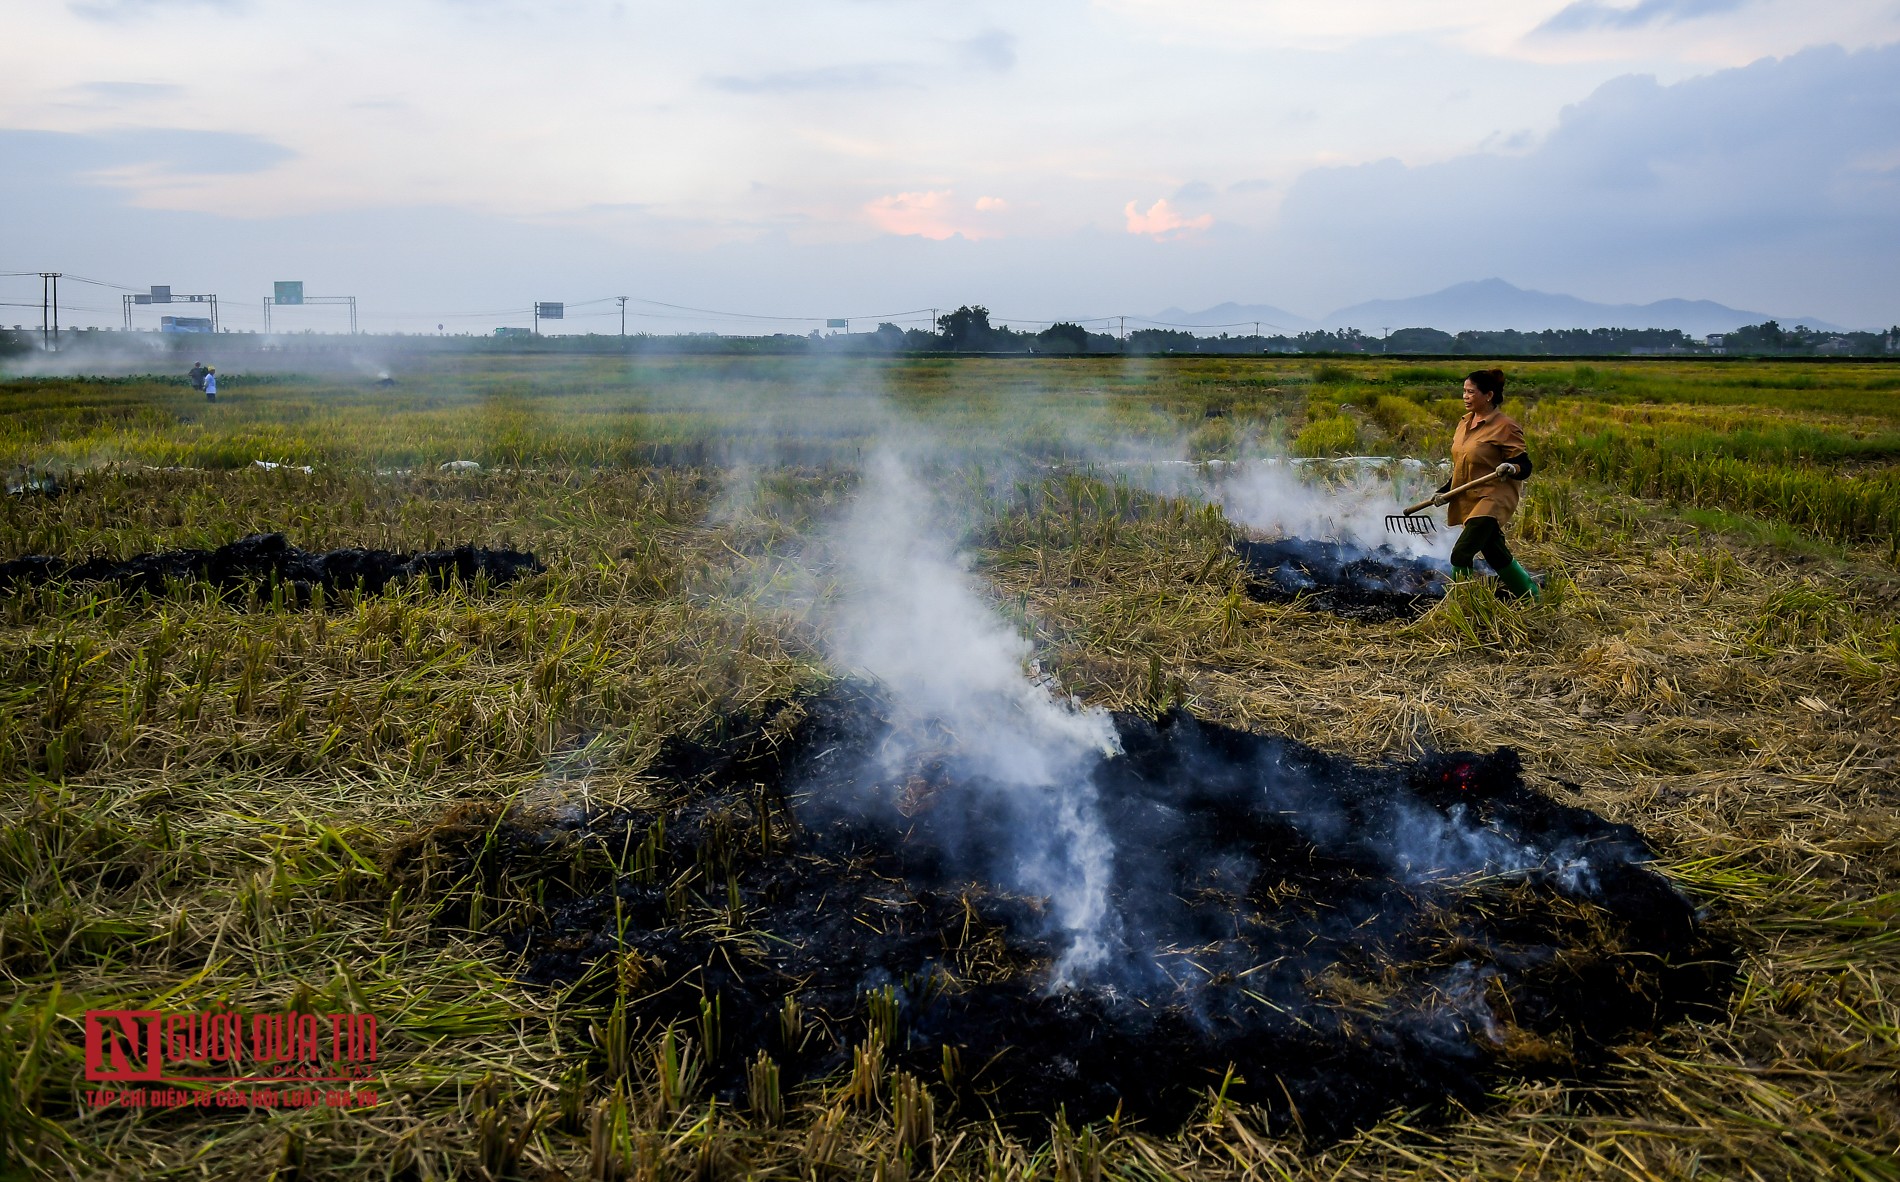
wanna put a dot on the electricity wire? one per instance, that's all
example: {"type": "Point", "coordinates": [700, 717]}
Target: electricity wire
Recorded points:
{"type": "Point", "coordinates": [240, 310]}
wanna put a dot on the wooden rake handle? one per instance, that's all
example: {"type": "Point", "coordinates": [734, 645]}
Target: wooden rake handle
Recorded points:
{"type": "Point", "coordinates": [1448, 494]}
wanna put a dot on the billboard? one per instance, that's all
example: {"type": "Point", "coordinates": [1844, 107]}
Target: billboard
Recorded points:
{"type": "Point", "coordinates": [184, 324]}
{"type": "Point", "coordinates": [551, 311]}
{"type": "Point", "coordinates": [837, 324]}
{"type": "Point", "coordinates": [288, 292]}
{"type": "Point", "coordinates": [161, 295]}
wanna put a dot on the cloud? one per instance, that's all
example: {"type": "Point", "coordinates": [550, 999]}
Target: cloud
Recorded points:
{"type": "Point", "coordinates": [1774, 184]}
{"type": "Point", "coordinates": [1728, 186]}
{"type": "Point", "coordinates": [1194, 191]}
{"type": "Point", "coordinates": [178, 152]}
{"type": "Point", "coordinates": [932, 214]}
{"type": "Point", "coordinates": [920, 213]}
{"type": "Point", "coordinates": [131, 92]}
{"type": "Point", "coordinates": [125, 10]}
{"type": "Point", "coordinates": [1662, 33]}
{"type": "Point", "coordinates": [867, 76]}
{"type": "Point", "coordinates": [1595, 14]}
{"type": "Point", "coordinates": [1161, 221]}
{"type": "Point", "coordinates": [169, 152]}
{"type": "Point", "coordinates": [992, 49]}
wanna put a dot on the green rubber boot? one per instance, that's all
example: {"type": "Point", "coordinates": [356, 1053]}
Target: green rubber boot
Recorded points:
{"type": "Point", "coordinates": [1518, 581]}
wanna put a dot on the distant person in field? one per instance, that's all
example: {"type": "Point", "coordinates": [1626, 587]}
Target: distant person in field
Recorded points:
{"type": "Point", "coordinates": [211, 385]}
{"type": "Point", "coordinates": [1486, 439]}
{"type": "Point", "coordinates": [197, 374]}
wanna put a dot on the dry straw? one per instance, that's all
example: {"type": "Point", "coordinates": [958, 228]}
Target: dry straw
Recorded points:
{"type": "Point", "coordinates": [201, 796]}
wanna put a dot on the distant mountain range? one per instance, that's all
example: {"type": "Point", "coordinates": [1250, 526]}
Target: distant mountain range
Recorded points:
{"type": "Point", "coordinates": [1488, 305]}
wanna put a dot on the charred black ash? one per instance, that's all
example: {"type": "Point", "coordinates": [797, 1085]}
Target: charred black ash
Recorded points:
{"type": "Point", "coordinates": [270, 560]}
{"type": "Point", "coordinates": [1380, 583]}
{"type": "Point", "coordinates": [1347, 938]}
{"type": "Point", "coordinates": [35, 484]}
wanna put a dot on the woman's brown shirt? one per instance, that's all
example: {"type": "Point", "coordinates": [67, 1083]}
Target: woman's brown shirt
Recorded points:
{"type": "Point", "coordinates": [1481, 443]}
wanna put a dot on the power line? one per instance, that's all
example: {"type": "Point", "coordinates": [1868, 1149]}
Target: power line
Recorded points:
{"type": "Point", "coordinates": [791, 319]}
{"type": "Point", "coordinates": [1230, 324]}
{"type": "Point", "coordinates": [102, 283]}
{"type": "Point", "coordinates": [729, 315]}
{"type": "Point", "coordinates": [63, 305]}
{"type": "Point", "coordinates": [74, 278]}
{"type": "Point", "coordinates": [689, 311]}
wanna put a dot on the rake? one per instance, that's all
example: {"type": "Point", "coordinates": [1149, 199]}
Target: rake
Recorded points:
{"type": "Point", "coordinates": [1406, 523]}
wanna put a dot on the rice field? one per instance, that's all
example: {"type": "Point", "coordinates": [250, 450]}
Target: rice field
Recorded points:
{"type": "Point", "coordinates": [215, 802]}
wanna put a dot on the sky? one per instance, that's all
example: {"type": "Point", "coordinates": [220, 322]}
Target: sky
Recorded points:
{"type": "Point", "coordinates": [452, 161]}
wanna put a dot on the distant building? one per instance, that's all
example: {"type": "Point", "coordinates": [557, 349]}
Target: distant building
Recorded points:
{"type": "Point", "coordinates": [1834, 345]}
{"type": "Point", "coordinates": [1714, 342]}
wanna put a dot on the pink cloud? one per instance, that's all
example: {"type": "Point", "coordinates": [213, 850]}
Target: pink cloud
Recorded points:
{"type": "Point", "coordinates": [922, 214]}
{"type": "Point", "coordinates": [1161, 221]}
{"type": "Point", "coordinates": [931, 214]}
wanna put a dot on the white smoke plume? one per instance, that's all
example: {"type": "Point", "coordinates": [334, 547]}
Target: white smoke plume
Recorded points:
{"type": "Point", "coordinates": [960, 690]}
{"type": "Point", "coordinates": [1341, 501]}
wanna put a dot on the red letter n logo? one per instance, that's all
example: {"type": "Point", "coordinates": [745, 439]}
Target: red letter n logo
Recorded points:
{"type": "Point", "coordinates": [123, 1045]}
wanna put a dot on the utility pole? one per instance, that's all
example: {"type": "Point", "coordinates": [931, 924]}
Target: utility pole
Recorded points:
{"type": "Point", "coordinates": [49, 282]}
{"type": "Point", "coordinates": [623, 314]}
{"type": "Point", "coordinates": [1124, 332]}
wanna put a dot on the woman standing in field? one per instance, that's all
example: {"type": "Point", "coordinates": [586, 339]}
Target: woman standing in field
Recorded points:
{"type": "Point", "coordinates": [1486, 439]}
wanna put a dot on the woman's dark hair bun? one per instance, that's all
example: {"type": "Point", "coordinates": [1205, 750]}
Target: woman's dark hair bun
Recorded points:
{"type": "Point", "coordinates": [1489, 381]}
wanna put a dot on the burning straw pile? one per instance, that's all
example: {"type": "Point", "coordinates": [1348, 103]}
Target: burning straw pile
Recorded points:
{"type": "Point", "coordinates": [1311, 534]}
{"type": "Point", "coordinates": [1277, 926]}
{"type": "Point", "coordinates": [1359, 582]}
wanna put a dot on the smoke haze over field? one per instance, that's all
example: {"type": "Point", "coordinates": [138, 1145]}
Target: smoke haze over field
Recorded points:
{"type": "Point", "coordinates": [1273, 497]}
{"type": "Point", "coordinates": [996, 777]}
{"type": "Point", "coordinates": [956, 676]}
{"type": "Point", "coordinates": [450, 164]}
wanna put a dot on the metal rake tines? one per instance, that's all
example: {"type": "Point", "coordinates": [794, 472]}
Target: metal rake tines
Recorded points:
{"type": "Point", "coordinates": [1410, 523]}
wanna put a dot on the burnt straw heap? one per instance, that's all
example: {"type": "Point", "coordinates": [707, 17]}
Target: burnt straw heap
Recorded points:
{"type": "Point", "coordinates": [1361, 583]}
{"type": "Point", "coordinates": [262, 561]}
{"type": "Point", "coordinates": [1324, 939]}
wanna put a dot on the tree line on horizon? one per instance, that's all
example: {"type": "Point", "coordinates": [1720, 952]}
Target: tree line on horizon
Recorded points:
{"type": "Point", "coordinates": [968, 330]}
